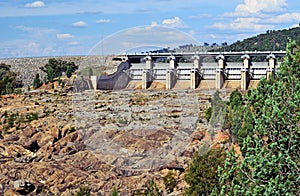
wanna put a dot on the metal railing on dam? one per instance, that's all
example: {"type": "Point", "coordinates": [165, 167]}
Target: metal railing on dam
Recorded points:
{"type": "Point", "coordinates": [219, 68]}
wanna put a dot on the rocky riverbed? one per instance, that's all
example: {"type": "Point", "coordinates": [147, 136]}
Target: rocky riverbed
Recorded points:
{"type": "Point", "coordinates": [53, 143]}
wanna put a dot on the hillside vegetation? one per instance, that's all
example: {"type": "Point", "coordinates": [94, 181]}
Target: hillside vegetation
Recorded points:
{"type": "Point", "coordinates": [271, 40]}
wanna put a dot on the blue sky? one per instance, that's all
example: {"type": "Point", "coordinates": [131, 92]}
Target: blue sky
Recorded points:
{"type": "Point", "coordinates": [69, 27]}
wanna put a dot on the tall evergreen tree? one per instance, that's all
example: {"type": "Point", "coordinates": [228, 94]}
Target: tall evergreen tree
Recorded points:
{"type": "Point", "coordinates": [37, 82]}
{"type": "Point", "coordinates": [55, 67]}
{"type": "Point", "coordinates": [271, 151]}
{"type": "Point", "coordinates": [69, 72]}
{"type": "Point", "coordinates": [234, 115]}
{"type": "Point", "coordinates": [7, 79]}
{"type": "Point", "coordinates": [50, 74]}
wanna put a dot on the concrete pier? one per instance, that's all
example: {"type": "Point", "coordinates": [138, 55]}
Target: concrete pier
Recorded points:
{"type": "Point", "coordinates": [94, 80]}
{"type": "Point", "coordinates": [196, 62]}
{"type": "Point", "coordinates": [147, 73]}
{"type": "Point", "coordinates": [245, 76]}
{"type": "Point", "coordinates": [195, 72]}
{"type": "Point", "coordinates": [220, 76]}
{"type": "Point", "coordinates": [146, 79]}
{"type": "Point", "coordinates": [271, 68]}
{"type": "Point", "coordinates": [173, 62]}
{"type": "Point", "coordinates": [195, 78]}
{"type": "Point", "coordinates": [171, 77]}
{"type": "Point", "coordinates": [149, 62]}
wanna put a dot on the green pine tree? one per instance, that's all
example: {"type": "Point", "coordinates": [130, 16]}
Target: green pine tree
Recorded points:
{"type": "Point", "coordinates": [69, 72]}
{"type": "Point", "coordinates": [50, 74]}
{"type": "Point", "coordinates": [37, 82]}
{"type": "Point", "coordinates": [271, 160]}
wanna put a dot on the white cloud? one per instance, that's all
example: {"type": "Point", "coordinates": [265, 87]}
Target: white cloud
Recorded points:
{"type": "Point", "coordinates": [35, 4]}
{"type": "Point", "coordinates": [244, 24]}
{"type": "Point", "coordinates": [64, 36]}
{"type": "Point", "coordinates": [20, 48]}
{"type": "Point", "coordinates": [36, 32]}
{"type": "Point", "coordinates": [75, 43]}
{"type": "Point", "coordinates": [153, 24]}
{"type": "Point", "coordinates": [102, 21]}
{"type": "Point", "coordinates": [175, 22]}
{"type": "Point", "coordinates": [49, 51]}
{"type": "Point", "coordinates": [258, 7]}
{"type": "Point", "coordinates": [33, 45]}
{"type": "Point", "coordinates": [285, 18]}
{"type": "Point", "coordinates": [201, 16]}
{"type": "Point", "coordinates": [24, 28]}
{"type": "Point", "coordinates": [79, 24]}
{"type": "Point", "coordinates": [257, 16]}
{"type": "Point", "coordinates": [213, 36]}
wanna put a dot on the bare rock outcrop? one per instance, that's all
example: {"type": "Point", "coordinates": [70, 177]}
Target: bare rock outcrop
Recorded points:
{"type": "Point", "coordinates": [100, 140]}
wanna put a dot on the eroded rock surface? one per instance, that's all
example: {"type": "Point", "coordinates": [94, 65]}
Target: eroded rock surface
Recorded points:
{"type": "Point", "coordinates": [101, 140]}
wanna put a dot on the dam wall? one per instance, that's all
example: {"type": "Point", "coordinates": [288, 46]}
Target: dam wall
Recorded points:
{"type": "Point", "coordinates": [167, 71]}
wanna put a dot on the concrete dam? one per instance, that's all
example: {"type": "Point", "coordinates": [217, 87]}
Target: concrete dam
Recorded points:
{"type": "Point", "coordinates": [166, 71]}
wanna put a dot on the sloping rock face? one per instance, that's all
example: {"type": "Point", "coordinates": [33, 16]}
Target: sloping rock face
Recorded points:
{"type": "Point", "coordinates": [139, 130]}
{"type": "Point", "coordinates": [54, 143]}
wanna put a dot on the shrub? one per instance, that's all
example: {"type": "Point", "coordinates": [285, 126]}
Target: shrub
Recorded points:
{"type": "Point", "coordinates": [37, 82]}
{"type": "Point", "coordinates": [83, 191]}
{"type": "Point", "coordinates": [152, 189]}
{"type": "Point", "coordinates": [202, 173]}
{"type": "Point", "coordinates": [31, 117]}
{"type": "Point", "coordinates": [114, 192]}
{"type": "Point", "coordinates": [170, 181]}
{"type": "Point", "coordinates": [55, 67]}
{"type": "Point", "coordinates": [208, 113]}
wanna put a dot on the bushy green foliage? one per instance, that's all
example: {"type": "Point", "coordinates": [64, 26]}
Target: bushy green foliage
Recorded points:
{"type": "Point", "coordinates": [234, 115]}
{"type": "Point", "coordinates": [152, 189]}
{"type": "Point", "coordinates": [208, 113]}
{"type": "Point", "coordinates": [83, 191]}
{"type": "Point", "coordinates": [55, 67]}
{"type": "Point", "coordinates": [69, 72]}
{"type": "Point", "coordinates": [236, 99]}
{"type": "Point", "coordinates": [7, 79]}
{"type": "Point", "coordinates": [31, 117]}
{"type": "Point", "coordinates": [170, 181]}
{"type": "Point", "coordinates": [114, 192]}
{"type": "Point", "coordinates": [50, 74]}
{"type": "Point", "coordinates": [271, 158]}
{"type": "Point", "coordinates": [37, 82]}
{"type": "Point", "coordinates": [15, 119]}
{"type": "Point", "coordinates": [202, 174]}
